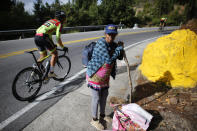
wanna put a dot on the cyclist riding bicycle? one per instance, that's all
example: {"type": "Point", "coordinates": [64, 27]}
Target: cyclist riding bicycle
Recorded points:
{"type": "Point", "coordinates": [44, 42]}
{"type": "Point", "coordinates": [163, 21]}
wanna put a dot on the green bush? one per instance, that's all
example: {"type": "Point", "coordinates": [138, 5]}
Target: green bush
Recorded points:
{"type": "Point", "coordinates": [175, 18]}
{"type": "Point", "coordinates": [156, 21]}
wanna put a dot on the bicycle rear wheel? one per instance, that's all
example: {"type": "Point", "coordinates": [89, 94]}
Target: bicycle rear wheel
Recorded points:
{"type": "Point", "coordinates": [26, 84]}
{"type": "Point", "coordinates": [160, 28]}
{"type": "Point", "coordinates": [63, 68]}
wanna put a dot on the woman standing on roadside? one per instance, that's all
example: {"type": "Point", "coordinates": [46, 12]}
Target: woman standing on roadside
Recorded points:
{"type": "Point", "coordinates": [99, 69]}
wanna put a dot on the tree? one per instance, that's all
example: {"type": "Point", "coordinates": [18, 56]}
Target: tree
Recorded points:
{"type": "Point", "coordinates": [6, 5]}
{"type": "Point", "coordinates": [5, 8]}
{"type": "Point", "coordinates": [38, 5]}
{"type": "Point", "coordinates": [48, 11]}
{"type": "Point", "coordinates": [162, 7]}
{"type": "Point", "coordinates": [116, 11]}
{"type": "Point", "coordinates": [43, 12]}
{"type": "Point", "coordinates": [56, 6]}
{"type": "Point", "coordinates": [93, 14]}
{"type": "Point", "coordinates": [71, 14]}
{"type": "Point", "coordinates": [85, 4]}
{"type": "Point", "coordinates": [83, 12]}
{"type": "Point", "coordinates": [14, 16]}
{"type": "Point", "coordinates": [191, 9]}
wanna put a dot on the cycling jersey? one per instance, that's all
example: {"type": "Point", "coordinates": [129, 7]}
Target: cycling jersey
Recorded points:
{"type": "Point", "coordinates": [49, 27]}
{"type": "Point", "coordinates": [163, 19]}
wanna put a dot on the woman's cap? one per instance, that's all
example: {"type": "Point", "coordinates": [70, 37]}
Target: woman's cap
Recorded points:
{"type": "Point", "coordinates": [111, 29]}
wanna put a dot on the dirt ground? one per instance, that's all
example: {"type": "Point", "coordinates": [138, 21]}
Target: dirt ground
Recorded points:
{"type": "Point", "coordinates": [191, 24]}
{"type": "Point", "coordinates": [172, 109]}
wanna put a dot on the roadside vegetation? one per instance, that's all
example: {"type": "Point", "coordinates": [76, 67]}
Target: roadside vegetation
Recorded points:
{"type": "Point", "coordinates": [98, 12]}
{"type": "Point", "coordinates": [146, 13]}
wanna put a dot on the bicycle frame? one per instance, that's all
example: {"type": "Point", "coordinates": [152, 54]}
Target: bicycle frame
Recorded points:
{"type": "Point", "coordinates": [44, 58]}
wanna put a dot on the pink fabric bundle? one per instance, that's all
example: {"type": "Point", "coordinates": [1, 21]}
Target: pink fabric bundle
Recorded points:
{"type": "Point", "coordinates": [131, 117]}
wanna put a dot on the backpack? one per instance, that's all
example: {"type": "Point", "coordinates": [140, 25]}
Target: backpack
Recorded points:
{"type": "Point", "coordinates": [87, 53]}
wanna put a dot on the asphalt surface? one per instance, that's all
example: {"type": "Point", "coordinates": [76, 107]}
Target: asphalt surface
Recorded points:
{"type": "Point", "coordinates": [15, 115]}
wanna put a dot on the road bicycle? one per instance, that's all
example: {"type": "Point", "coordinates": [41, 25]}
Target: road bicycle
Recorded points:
{"type": "Point", "coordinates": [161, 27]}
{"type": "Point", "coordinates": [28, 82]}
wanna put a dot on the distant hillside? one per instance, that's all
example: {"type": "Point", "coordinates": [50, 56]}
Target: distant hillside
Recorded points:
{"type": "Point", "coordinates": [149, 12]}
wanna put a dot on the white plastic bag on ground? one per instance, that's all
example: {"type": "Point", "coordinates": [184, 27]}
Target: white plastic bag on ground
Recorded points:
{"type": "Point", "coordinates": [131, 117]}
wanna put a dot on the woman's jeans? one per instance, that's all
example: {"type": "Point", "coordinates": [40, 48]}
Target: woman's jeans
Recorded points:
{"type": "Point", "coordinates": [99, 98]}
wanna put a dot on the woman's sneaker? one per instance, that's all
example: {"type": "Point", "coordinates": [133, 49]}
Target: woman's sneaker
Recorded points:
{"type": "Point", "coordinates": [97, 124]}
{"type": "Point", "coordinates": [108, 119]}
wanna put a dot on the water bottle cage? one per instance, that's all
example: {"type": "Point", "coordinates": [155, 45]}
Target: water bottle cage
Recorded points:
{"type": "Point", "coordinates": [46, 69]}
{"type": "Point", "coordinates": [34, 66]}
{"type": "Point", "coordinates": [42, 68]}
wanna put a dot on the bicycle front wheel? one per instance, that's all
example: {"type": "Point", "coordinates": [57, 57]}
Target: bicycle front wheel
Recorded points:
{"type": "Point", "coordinates": [26, 84]}
{"type": "Point", "coordinates": [160, 28]}
{"type": "Point", "coordinates": [62, 68]}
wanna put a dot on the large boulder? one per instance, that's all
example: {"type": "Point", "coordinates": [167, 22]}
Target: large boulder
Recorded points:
{"type": "Point", "coordinates": [172, 59]}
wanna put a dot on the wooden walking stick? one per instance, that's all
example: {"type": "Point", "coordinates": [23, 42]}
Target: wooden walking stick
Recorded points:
{"type": "Point", "coordinates": [129, 74]}
{"type": "Point", "coordinates": [128, 70]}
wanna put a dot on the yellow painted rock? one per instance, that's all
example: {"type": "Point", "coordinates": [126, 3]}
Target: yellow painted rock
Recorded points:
{"type": "Point", "coordinates": [172, 59]}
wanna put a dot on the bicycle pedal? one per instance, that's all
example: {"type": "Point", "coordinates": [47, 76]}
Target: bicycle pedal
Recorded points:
{"type": "Point", "coordinates": [46, 80]}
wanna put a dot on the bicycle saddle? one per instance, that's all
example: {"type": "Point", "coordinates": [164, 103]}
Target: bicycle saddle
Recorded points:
{"type": "Point", "coordinates": [30, 51]}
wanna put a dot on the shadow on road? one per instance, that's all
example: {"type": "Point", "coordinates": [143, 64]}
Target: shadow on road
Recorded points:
{"type": "Point", "coordinates": [63, 90]}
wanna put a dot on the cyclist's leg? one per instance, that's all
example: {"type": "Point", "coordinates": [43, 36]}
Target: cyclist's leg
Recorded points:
{"type": "Point", "coordinates": [52, 48]}
{"type": "Point", "coordinates": [42, 55]}
{"type": "Point", "coordinates": [40, 43]}
{"type": "Point", "coordinates": [53, 59]}
{"type": "Point", "coordinates": [52, 63]}
{"type": "Point", "coordinates": [160, 25]}
{"type": "Point", "coordinates": [163, 26]}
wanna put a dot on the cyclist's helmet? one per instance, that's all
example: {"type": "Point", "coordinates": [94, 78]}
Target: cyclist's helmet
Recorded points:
{"type": "Point", "coordinates": [60, 15]}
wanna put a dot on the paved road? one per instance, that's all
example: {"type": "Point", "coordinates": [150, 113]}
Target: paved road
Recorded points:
{"type": "Point", "coordinates": [12, 60]}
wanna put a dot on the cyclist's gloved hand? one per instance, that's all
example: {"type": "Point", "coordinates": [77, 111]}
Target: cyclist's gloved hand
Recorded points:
{"type": "Point", "coordinates": [65, 49]}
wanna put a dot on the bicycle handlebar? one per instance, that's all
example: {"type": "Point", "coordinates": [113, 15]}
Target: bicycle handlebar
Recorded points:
{"type": "Point", "coordinates": [62, 50]}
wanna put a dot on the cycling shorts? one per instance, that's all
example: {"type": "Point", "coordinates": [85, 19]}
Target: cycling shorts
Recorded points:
{"type": "Point", "coordinates": [43, 42]}
{"type": "Point", "coordinates": [162, 21]}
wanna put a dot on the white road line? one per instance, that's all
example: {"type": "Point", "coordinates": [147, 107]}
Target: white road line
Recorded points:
{"type": "Point", "coordinates": [38, 100]}
{"type": "Point", "coordinates": [126, 48]}
{"type": "Point", "coordinates": [6, 122]}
